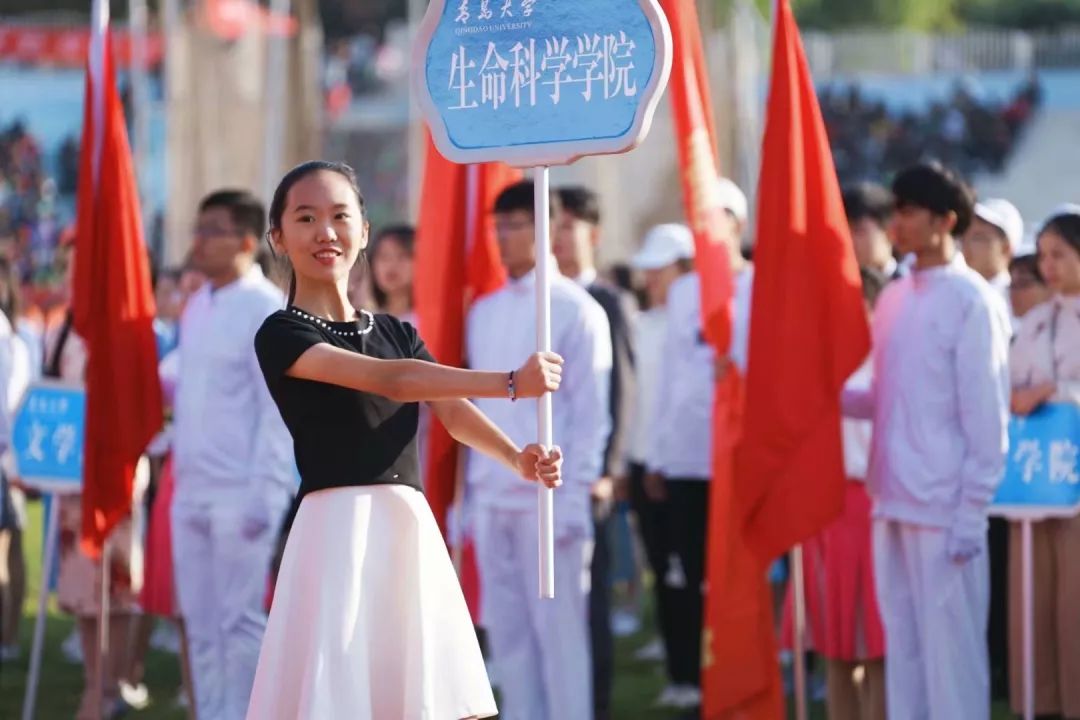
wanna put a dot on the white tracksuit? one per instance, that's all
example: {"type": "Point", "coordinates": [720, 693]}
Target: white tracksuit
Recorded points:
{"type": "Point", "coordinates": [234, 475]}
{"type": "Point", "coordinates": [939, 402]}
{"type": "Point", "coordinates": [540, 647]}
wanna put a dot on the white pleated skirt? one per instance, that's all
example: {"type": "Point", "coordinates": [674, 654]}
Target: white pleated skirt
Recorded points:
{"type": "Point", "coordinates": [368, 620]}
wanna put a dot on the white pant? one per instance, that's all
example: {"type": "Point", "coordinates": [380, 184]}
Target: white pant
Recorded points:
{"type": "Point", "coordinates": [935, 613]}
{"type": "Point", "coordinates": [221, 586]}
{"type": "Point", "coordinates": [540, 647]}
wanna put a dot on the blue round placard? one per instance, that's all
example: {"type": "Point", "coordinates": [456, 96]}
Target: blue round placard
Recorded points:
{"type": "Point", "coordinates": [540, 82]}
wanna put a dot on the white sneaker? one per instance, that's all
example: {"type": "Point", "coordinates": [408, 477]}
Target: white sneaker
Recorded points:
{"type": "Point", "coordinates": [651, 652]}
{"type": "Point", "coordinates": [670, 697]}
{"type": "Point", "coordinates": [72, 648]}
{"type": "Point", "coordinates": [137, 696]}
{"type": "Point", "coordinates": [689, 697]}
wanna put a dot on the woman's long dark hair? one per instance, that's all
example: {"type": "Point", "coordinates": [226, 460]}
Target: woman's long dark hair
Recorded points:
{"type": "Point", "coordinates": [1066, 225]}
{"type": "Point", "coordinates": [281, 194]}
{"type": "Point", "coordinates": [403, 235]}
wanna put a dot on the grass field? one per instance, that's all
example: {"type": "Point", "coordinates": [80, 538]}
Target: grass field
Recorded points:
{"type": "Point", "coordinates": [636, 684]}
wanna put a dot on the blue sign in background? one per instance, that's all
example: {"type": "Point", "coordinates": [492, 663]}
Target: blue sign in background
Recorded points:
{"type": "Point", "coordinates": [48, 437]}
{"type": "Point", "coordinates": [527, 72]}
{"type": "Point", "coordinates": [1042, 475]}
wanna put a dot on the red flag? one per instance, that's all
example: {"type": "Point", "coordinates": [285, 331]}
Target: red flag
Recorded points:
{"type": "Point", "coordinates": [457, 260]}
{"type": "Point", "coordinates": [809, 331]}
{"type": "Point", "coordinates": [113, 304]}
{"type": "Point", "coordinates": [740, 678]}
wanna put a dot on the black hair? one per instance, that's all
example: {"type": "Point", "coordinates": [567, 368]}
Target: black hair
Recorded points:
{"type": "Point", "coordinates": [581, 202]}
{"type": "Point", "coordinates": [246, 210]}
{"type": "Point", "coordinates": [9, 300]}
{"type": "Point", "coordinates": [1027, 264]}
{"type": "Point", "coordinates": [868, 201]}
{"type": "Point", "coordinates": [932, 186]}
{"type": "Point", "coordinates": [521, 196]}
{"type": "Point", "coordinates": [281, 195]}
{"type": "Point", "coordinates": [873, 282]}
{"type": "Point", "coordinates": [405, 236]}
{"type": "Point", "coordinates": [1067, 225]}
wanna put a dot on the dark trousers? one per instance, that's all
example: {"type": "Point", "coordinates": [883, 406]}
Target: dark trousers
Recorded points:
{"type": "Point", "coordinates": [688, 515]}
{"type": "Point", "coordinates": [652, 527]}
{"type": "Point", "coordinates": [997, 631]}
{"type": "Point", "coordinates": [601, 637]}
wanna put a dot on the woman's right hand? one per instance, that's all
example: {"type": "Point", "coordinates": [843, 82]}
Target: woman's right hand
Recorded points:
{"type": "Point", "coordinates": [1027, 400]}
{"type": "Point", "coordinates": [541, 373]}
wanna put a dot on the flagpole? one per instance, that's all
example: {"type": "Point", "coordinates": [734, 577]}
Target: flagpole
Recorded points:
{"type": "Point", "coordinates": [545, 497]}
{"type": "Point", "coordinates": [799, 649]}
{"type": "Point", "coordinates": [274, 82]}
{"type": "Point", "coordinates": [140, 102]}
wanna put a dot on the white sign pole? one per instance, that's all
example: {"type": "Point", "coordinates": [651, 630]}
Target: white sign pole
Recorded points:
{"type": "Point", "coordinates": [542, 208]}
{"type": "Point", "coordinates": [1028, 608]}
{"type": "Point", "coordinates": [52, 534]}
{"type": "Point", "coordinates": [799, 649]}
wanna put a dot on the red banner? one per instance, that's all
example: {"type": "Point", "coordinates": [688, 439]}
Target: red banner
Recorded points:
{"type": "Point", "coordinates": [68, 47]}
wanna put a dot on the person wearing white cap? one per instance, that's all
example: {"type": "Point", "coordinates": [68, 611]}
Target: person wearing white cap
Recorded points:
{"type": "Point", "coordinates": [989, 245]}
{"type": "Point", "coordinates": [681, 446]}
{"type": "Point", "coordinates": [995, 236]}
{"type": "Point", "coordinates": [666, 255]}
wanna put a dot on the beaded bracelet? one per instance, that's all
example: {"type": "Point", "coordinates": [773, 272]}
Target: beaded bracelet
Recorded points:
{"type": "Point", "coordinates": [512, 390]}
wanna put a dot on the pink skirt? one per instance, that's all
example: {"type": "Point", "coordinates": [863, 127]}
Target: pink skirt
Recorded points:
{"type": "Point", "coordinates": [842, 617]}
{"type": "Point", "coordinates": [157, 597]}
{"type": "Point", "coordinates": [368, 620]}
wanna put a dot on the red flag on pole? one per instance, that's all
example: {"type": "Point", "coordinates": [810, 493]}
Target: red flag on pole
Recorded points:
{"type": "Point", "coordinates": [790, 474]}
{"type": "Point", "coordinates": [113, 303]}
{"type": "Point", "coordinates": [739, 673]}
{"type": "Point", "coordinates": [457, 261]}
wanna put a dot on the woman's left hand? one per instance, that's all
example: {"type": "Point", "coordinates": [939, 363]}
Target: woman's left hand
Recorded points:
{"type": "Point", "coordinates": [536, 464]}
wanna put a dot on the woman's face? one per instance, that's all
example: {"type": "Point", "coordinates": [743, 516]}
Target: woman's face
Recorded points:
{"type": "Point", "coordinates": [392, 266]}
{"type": "Point", "coordinates": [322, 228]}
{"type": "Point", "coordinates": [1059, 263]}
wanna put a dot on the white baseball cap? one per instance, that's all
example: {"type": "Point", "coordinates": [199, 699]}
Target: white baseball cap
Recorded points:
{"type": "Point", "coordinates": [1003, 215]}
{"type": "Point", "coordinates": [732, 199]}
{"type": "Point", "coordinates": [664, 245]}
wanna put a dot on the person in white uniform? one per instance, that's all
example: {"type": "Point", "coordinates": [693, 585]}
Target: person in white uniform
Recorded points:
{"type": "Point", "coordinates": [993, 240]}
{"type": "Point", "coordinates": [939, 402]}
{"type": "Point", "coordinates": [540, 648]}
{"type": "Point", "coordinates": [233, 457]}
{"type": "Point", "coordinates": [680, 455]}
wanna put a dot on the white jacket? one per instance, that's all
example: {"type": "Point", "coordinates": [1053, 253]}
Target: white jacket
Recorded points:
{"type": "Point", "coordinates": [228, 431]}
{"type": "Point", "coordinates": [939, 399]}
{"type": "Point", "coordinates": [682, 440]}
{"type": "Point", "coordinates": [501, 334]}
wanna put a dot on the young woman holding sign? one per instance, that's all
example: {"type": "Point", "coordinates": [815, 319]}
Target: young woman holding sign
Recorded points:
{"type": "Point", "coordinates": [1044, 363]}
{"type": "Point", "coordinates": [368, 619]}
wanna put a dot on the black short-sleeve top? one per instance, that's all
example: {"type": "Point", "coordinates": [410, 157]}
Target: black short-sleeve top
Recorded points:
{"type": "Point", "coordinates": [342, 437]}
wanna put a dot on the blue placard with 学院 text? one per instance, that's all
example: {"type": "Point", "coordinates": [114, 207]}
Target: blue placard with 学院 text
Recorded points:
{"type": "Point", "coordinates": [540, 82]}
{"type": "Point", "coordinates": [1042, 476]}
{"type": "Point", "coordinates": [48, 437]}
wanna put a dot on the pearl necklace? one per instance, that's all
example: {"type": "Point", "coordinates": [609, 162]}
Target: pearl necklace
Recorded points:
{"type": "Point", "coordinates": [344, 333]}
